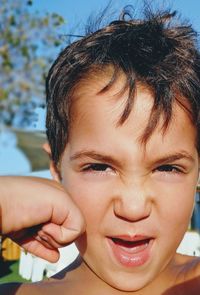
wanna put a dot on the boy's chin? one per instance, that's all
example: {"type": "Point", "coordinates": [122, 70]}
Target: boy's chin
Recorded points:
{"type": "Point", "coordinates": [127, 283]}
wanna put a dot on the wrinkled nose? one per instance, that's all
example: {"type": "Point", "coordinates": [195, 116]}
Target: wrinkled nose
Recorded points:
{"type": "Point", "coordinates": [133, 203]}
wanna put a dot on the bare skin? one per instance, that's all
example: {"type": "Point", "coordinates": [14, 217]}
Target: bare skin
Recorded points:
{"type": "Point", "coordinates": [123, 192]}
{"type": "Point", "coordinates": [76, 279]}
{"type": "Point", "coordinates": [41, 217]}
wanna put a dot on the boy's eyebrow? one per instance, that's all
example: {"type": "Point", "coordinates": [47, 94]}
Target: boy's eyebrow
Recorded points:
{"type": "Point", "coordinates": [109, 159]}
{"type": "Point", "coordinates": [175, 157]}
{"type": "Point", "coordinates": [94, 155]}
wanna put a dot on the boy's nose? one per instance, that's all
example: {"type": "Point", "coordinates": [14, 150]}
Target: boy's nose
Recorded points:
{"type": "Point", "coordinates": [133, 203]}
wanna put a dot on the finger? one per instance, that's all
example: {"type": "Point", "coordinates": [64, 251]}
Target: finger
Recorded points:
{"type": "Point", "coordinates": [64, 229]}
{"type": "Point", "coordinates": [37, 248]}
{"type": "Point", "coordinates": [69, 217]}
{"type": "Point", "coordinates": [47, 240]}
{"type": "Point", "coordinates": [59, 235]}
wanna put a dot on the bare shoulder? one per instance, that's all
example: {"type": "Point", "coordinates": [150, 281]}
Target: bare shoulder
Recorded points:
{"type": "Point", "coordinates": [195, 267]}
{"type": "Point", "coordinates": [186, 276]}
{"type": "Point", "coordinates": [17, 289]}
{"type": "Point", "coordinates": [41, 288]}
{"type": "Point", "coordinates": [191, 265]}
{"type": "Point", "coordinates": [64, 280]}
{"type": "Point", "coordinates": [189, 275]}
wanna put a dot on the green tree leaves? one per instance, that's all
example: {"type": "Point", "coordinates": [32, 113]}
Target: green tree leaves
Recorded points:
{"type": "Point", "coordinates": [28, 44]}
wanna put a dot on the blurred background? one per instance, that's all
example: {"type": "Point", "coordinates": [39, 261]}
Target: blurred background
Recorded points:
{"type": "Point", "coordinates": [32, 33]}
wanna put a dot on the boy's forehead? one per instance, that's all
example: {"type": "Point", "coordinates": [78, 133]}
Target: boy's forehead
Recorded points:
{"type": "Point", "coordinates": [89, 98]}
{"type": "Point", "coordinates": [98, 92]}
{"type": "Point", "coordinates": [107, 84]}
{"type": "Point", "coordinates": [98, 87]}
{"type": "Point", "coordinates": [97, 79]}
{"type": "Point", "coordinates": [92, 90]}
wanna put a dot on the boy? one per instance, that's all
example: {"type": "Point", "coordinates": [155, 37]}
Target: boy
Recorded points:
{"type": "Point", "coordinates": [122, 125]}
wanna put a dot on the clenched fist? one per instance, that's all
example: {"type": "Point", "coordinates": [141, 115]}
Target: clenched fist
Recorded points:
{"type": "Point", "coordinates": [39, 215]}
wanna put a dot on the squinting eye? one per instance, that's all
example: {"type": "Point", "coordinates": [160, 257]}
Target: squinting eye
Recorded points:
{"type": "Point", "coordinates": [97, 167]}
{"type": "Point", "coordinates": [168, 168]}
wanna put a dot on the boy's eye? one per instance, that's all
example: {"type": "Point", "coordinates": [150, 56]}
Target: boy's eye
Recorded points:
{"type": "Point", "coordinates": [168, 168]}
{"type": "Point", "coordinates": [97, 167]}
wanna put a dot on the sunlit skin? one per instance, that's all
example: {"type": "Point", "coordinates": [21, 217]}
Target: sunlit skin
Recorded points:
{"type": "Point", "coordinates": [137, 199]}
{"type": "Point", "coordinates": [125, 188]}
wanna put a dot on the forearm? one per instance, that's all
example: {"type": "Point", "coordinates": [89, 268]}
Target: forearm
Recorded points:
{"type": "Point", "coordinates": [6, 192]}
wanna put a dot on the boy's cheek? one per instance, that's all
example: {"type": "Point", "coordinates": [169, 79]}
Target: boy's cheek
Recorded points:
{"type": "Point", "coordinates": [86, 195]}
{"type": "Point", "coordinates": [176, 209]}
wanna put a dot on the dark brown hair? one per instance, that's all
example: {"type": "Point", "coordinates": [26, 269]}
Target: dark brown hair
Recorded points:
{"type": "Point", "coordinates": [157, 51]}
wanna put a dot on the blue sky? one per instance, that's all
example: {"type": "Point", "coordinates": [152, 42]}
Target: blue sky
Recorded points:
{"type": "Point", "coordinates": [77, 11]}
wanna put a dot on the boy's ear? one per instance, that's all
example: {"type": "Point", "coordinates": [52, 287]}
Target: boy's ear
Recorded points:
{"type": "Point", "coordinates": [52, 167]}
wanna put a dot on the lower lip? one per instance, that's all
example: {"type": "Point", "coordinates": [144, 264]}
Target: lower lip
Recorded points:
{"type": "Point", "coordinates": [131, 257]}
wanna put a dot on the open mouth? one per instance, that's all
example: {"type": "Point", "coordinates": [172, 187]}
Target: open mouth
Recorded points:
{"type": "Point", "coordinates": [130, 244]}
{"type": "Point", "coordinates": [131, 252]}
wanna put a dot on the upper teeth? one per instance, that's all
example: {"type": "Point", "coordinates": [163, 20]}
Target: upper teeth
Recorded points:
{"type": "Point", "coordinates": [130, 243]}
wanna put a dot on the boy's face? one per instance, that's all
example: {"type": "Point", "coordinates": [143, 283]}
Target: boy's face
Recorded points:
{"type": "Point", "coordinates": [137, 200]}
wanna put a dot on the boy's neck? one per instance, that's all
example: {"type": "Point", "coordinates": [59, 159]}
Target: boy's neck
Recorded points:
{"type": "Point", "coordinates": [84, 281]}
